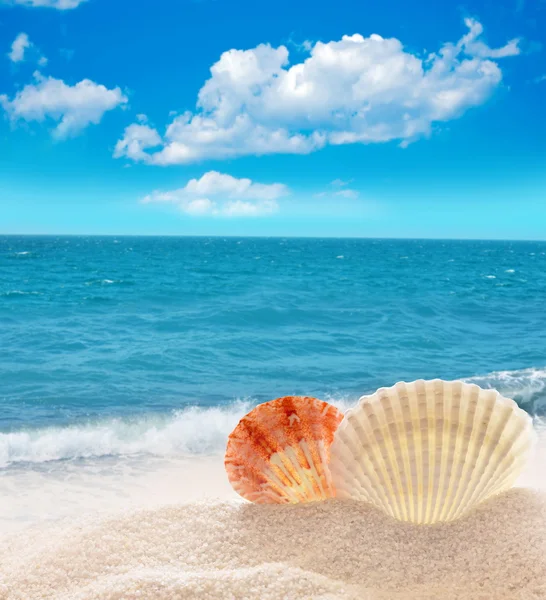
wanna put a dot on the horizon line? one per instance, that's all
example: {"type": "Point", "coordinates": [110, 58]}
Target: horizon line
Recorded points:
{"type": "Point", "coordinates": [315, 237]}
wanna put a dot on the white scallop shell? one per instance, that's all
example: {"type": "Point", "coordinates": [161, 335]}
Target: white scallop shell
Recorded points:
{"type": "Point", "coordinates": [429, 451]}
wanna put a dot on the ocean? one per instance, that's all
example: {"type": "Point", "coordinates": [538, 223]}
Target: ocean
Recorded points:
{"type": "Point", "coordinates": [141, 347]}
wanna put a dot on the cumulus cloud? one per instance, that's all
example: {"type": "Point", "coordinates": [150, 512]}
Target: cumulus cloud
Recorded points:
{"type": "Point", "coordinates": [137, 139]}
{"type": "Point", "coordinates": [355, 90]}
{"type": "Point", "coordinates": [18, 48]}
{"type": "Point", "coordinates": [72, 107]}
{"type": "Point", "coordinates": [221, 195]}
{"type": "Point", "coordinates": [58, 4]}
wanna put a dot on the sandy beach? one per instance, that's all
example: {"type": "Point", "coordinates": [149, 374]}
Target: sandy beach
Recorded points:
{"type": "Point", "coordinates": [179, 532]}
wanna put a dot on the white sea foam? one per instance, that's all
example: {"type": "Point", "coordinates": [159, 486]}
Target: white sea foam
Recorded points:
{"type": "Point", "coordinates": [102, 282]}
{"type": "Point", "coordinates": [192, 431]}
{"type": "Point", "coordinates": [523, 385]}
{"type": "Point", "coordinates": [510, 271]}
{"type": "Point", "coordinates": [20, 293]}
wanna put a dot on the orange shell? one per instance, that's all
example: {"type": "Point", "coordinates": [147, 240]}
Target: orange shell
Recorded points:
{"type": "Point", "coordinates": [279, 451]}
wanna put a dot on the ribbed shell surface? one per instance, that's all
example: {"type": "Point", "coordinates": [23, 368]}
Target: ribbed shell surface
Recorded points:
{"type": "Point", "coordinates": [429, 451]}
{"type": "Point", "coordinates": [279, 452]}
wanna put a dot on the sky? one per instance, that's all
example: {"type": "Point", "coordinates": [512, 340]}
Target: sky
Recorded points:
{"type": "Point", "coordinates": [293, 118]}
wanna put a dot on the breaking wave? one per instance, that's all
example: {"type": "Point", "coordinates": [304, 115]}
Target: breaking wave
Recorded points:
{"type": "Point", "coordinates": [200, 431]}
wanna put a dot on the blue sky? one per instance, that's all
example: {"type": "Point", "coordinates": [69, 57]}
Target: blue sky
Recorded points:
{"type": "Point", "coordinates": [232, 117]}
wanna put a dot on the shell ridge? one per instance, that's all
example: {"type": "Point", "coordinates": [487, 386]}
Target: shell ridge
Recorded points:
{"type": "Point", "coordinates": [454, 472]}
{"type": "Point", "coordinates": [400, 459]}
{"type": "Point", "coordinates": [510, 440]}
{"type": "Point", "coordinates": [451, 417]}
{"type": "Point", "coordinates": [446, 449]}
{"type": "Point", "coordinates": [317, 480]}
{"type": "Point", "coordinates": [372, 455]}
{"type": "Point", "coordinates": [406, 458]}
{"type": "Point", "coordinates": [427, 391]}
{"type": "Point", "coordinates": [280, 475]}
{"type": "Point", "coordinates": [467, 444]}
{"type": "Point", "coordinates": [472, 417]}
{"type": "Point", "coordinates": [324, 458]}
{"type": "Point", "coordinates": [417, 452]}
{"type": "Point", "coordinates": [495, 430]}
{"type": "Point", "coordinates": [302, 483]}
{"type": "Point", "coordinates": [474, 448]}
{"type": "Point", "coordinates": [368, 461]}
{"type": "Point", "coordinates": [434, 421]}
{"type": "Point", "coordinates": [348, 437]}
{"type": "Point", "coordinates": [509, 465]}
{"type": "Point", "coordinates": [381, 462]}
{"type": "Point", "coordinates": [390, 459]}
{"type": "Point", "coordinates": [304, 473]}
{"type": "Point", "coordinates": [343, 479]}
{"type": "Point", "coordinates": [485, 451]}
{"type": "Point", "coordinates": [361, 477]}
{"type": "Point", "coordinates": [409, 454]}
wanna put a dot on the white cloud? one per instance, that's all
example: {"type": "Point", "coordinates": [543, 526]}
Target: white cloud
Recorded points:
{"type": "Point", "coordinates": [355, 90]}
{"type": "Point", "coordinates": [18, 48]}
{"type": "Point", "coordinates": [137, 139]}
{"type": "Point", "coordinates": [58, 4]}
{"type": "Point", "coordinates": [340, 182]}
{"type": "Point", "coordinates": [72, 107]}
{"type": "Point", "coordinates": [340, 189]}
{"type": "Point", "coordinates": [199, 206]}
{"type": "Point", "coordinates": [347, 193]}
{"type": "Point", "coordinates": [221, 195]}
{"type": "Point", "coordinates": [475, 47]}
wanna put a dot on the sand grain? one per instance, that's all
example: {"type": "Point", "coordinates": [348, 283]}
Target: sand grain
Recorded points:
{"type": "Point", "coordinates": [336, 549]}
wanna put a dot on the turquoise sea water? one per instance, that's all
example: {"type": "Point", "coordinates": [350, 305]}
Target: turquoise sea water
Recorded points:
{"type": "Point", "coordinates": [113, 346]}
